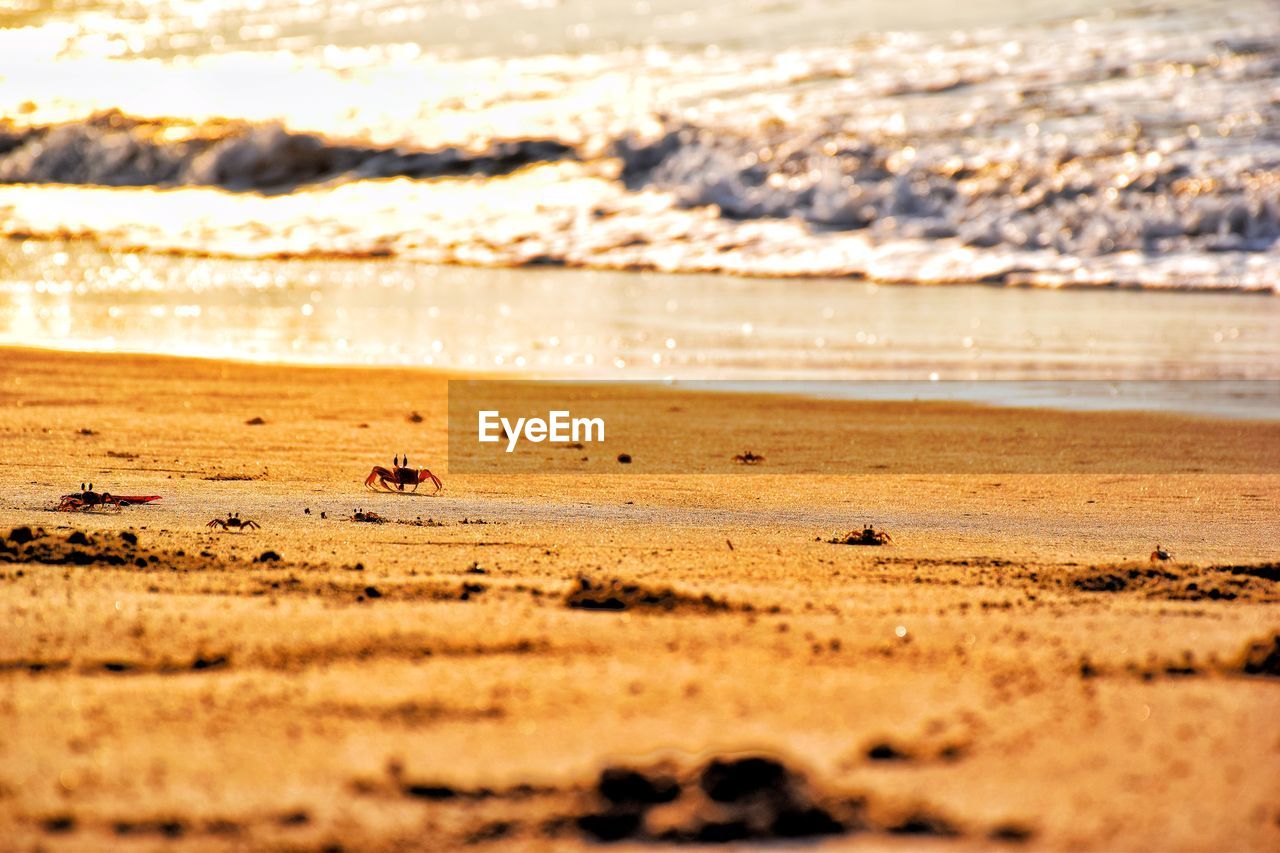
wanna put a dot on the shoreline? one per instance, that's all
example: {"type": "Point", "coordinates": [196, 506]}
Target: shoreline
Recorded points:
{"type": "Point", "coordinates": [1028, 394]}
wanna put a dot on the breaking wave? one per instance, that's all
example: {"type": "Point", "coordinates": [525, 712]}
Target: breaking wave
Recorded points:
{"type": "Point", "coordinates": [114, 150]}
{"type": "Point", "coordinates": [1126, 150]}
{"type": "Point", "coordinates": [1068, 200]}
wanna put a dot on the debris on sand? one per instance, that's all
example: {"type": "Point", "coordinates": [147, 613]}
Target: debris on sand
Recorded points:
{"type": "Point", "coordinates": [885, 751]}
{"type": "Point", "coordinates": [22, 535]}
{"type": "Point", "coordinates": [1262, 657]}
{"type": "Point", "coordinates": [617, 595]}
{"type": "Point", "coordinates": [420, 522]}
{"type": "Point", "coordinates": [727, 799]}
{"type": "Point", "coordinates": [716, 800]}
{"type": "Point", "coordinates": [1184, 583]}
{"type": "Point", "coordinates": [25, 545]}
{"type": "Point", "coordinates": [415, 418]}
{"type": "Point", "coordinates": [78, 548]}
{"type": "Point", "coordinates": [1101, 582]}
{"type": "Point", "coordinates": [868, 535]}
{"type": "Point", "coordinates": [923, 823]}
{"type": "Point", "coordinates": [59, 823]}
{"type": "Point", "coordinates": [624, 458]}
{"type": "Point", "coordinates": [255, 422]}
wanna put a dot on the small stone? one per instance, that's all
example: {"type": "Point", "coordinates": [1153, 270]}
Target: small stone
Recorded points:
{"type": "Point", "coordinates": [21, 535]}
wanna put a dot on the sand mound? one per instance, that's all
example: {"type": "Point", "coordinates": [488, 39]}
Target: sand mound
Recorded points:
{"type": "Point", "coordinates": [727, 799]}
{"type": "Point", "coordinates": [1183, 582]}
{"type": "Point", "coordinates": [36, 545]}
{"type": "Point", "coordinates": [1262, 657]}
{"type": "Point", "coordinates": [617, 595]}
{"type": "Point", "coordinates": [721, 799]}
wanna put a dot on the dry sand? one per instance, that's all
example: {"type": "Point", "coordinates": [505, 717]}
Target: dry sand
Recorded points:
{"type": "Point", "coordinates": [1010, 672]}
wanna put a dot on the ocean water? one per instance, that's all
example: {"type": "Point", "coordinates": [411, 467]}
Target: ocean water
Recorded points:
{"type": "Point", "coordinates": [1031, 142]}
{"type": "Point", "coordinates": [650, 187]}
{"type": "Point", "coordinates": [605, 324]}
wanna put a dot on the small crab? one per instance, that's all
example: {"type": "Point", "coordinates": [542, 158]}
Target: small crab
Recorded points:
{"type": "Point", "coordinates": [748, 458]}
{"type": "Point", "coordinates": [1160, 555]}
{"type": "Point", "coordinates": [868, 535]}
{"type": "Point", "coordinates": [233, 521]}
{"type": "Point", "coordinates": [400, 475]}
{"type": "Point", "coordinates": [368, 517]}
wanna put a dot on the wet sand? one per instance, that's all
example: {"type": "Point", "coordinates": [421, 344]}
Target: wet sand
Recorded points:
{"type": "Point", "coordinates": [1011, 671]}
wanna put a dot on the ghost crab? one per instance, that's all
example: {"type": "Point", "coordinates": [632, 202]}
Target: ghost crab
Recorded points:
{"type": "Point", "coordinates": [400, 475]}
{"type": "Point", "coordinates": [1160, 555]}
{"type": "Point", "coordinates": [233, 521]}
{"type": "Point", "coordinates": [367, 517]}
{"type": "Point", "coordinates": [868, 535]}
{"type": "Point", "coordinates": [748, 458]}
{"type": "Point", "coordinates": [87, 499]}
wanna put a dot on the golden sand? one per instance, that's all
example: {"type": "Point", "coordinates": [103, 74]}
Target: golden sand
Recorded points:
{"type": "Point", "coordinates": [1010, 671]}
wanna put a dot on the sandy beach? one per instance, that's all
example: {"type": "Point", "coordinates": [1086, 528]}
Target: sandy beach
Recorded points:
{"type": "Point", "coordinates": [938, 346]}
{"type": "Point", "coordinates": [486, 667]}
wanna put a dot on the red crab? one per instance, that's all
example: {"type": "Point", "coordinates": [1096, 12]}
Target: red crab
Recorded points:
{"type": "Point", "coordinates": [401, 475]}
{"type": "Point", "coordinates": [87, 499]}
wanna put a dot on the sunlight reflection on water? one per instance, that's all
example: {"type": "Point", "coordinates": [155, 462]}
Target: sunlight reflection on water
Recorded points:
{"type": "Point", "coordinates": [575, 323]}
